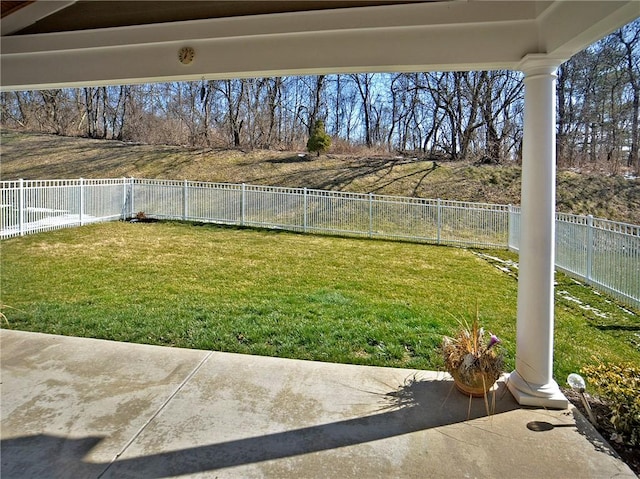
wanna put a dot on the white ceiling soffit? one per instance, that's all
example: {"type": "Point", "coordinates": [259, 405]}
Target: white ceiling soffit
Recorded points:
{"type": "Point", "coordinates": [432, 36]}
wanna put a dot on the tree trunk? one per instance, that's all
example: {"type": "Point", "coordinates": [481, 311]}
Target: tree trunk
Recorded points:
{"type": "Point", "coordinates": [634, 81]}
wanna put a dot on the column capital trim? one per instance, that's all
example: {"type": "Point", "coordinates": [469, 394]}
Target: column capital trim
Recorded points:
{"type": "Point", "coordinates": [539, 64]}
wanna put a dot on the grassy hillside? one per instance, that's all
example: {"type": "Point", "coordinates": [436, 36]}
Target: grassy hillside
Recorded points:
{"type": "Point", "coordinates": [38, 156]}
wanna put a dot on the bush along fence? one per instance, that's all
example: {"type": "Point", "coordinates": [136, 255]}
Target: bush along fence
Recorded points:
{"type": "Point", "coordinates": [602, 253]}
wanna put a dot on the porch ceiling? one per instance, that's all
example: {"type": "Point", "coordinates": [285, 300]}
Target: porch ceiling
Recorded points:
{"type": "Point", "coordinates": [89, 15]}
{"type": "Point", "coordinates": [51, 44]}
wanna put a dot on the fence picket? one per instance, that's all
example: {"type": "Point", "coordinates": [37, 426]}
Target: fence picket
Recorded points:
{"type": "Point", "coordinates": [21, 207]}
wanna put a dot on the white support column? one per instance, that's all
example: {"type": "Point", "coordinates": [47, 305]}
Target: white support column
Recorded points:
{"type": "Point", "coordinates": [532, 382]}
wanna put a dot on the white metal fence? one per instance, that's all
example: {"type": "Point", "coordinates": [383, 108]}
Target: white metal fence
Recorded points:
{"type": "Point", "coordinates": [323, 212]}
{"type": "Point", "coordinates": [603, 253]}
{"type": "Point", "coordinates": [42, 205]}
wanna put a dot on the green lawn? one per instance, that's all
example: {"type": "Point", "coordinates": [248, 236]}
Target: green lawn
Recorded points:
{"type": "Point", "coordinates": [283, 294]}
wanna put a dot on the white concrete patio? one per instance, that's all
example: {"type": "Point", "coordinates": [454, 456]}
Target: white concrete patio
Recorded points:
{"type": "Point", "coordinates": [87, 408]}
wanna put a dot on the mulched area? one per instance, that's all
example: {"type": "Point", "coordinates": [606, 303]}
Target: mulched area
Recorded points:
{"type": "Point", "coordinates": [602, 413]}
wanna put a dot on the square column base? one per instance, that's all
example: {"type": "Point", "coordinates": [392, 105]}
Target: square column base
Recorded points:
{"type": "Point", "coordinates": [548, 396]}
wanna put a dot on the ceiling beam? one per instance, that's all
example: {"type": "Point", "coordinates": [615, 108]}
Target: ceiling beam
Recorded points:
{"type": "Point", "coordinates": [30, 13]}
{"type": "Point", "coordinates": [409, 37]}
{"type": "Point", "coordinates": [434, 36]}
{"type": "Point", "coordinates": [563, 33]}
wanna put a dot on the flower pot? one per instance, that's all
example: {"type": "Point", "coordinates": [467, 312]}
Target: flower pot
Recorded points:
{"type": "Point", "coordinates": [474, 383]}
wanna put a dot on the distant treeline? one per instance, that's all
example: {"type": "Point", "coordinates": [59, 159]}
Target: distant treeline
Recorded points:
{"type": "Point", "coordinates": [475, 116]}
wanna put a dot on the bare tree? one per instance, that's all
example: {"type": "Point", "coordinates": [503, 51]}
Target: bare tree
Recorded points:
{"type": "Point", "coordinates": [629, 38]}
{"type": "Point", "coordinates": [471, 116]}
{"type": "Point", "coordinates": [364, 82]}
{"type": "Point", "coordinates": [233, 92]}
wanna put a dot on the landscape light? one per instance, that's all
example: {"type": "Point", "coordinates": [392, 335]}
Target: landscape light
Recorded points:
{"type": "Point", "coordinates": [577, 384]}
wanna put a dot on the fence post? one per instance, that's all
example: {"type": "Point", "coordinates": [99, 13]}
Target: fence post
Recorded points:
{"type": "Point", "coordinates": [184, 201]}
{"type": "Point", "coordinates": [439, 216]}
{"type": "Point", "coordinates": [124, 199]}
{"type": "Point", "coordinates": [370, 215]}
{"type": "Point", "coordinates": [242, 203]}
{"type": "Point", "coordinates": [304, 211]}
{"type": "Point", "coordinates": [509, 226]}
{"type": "Point", "coordinates": [81, 207]}
{"type": "Point", "coordinates": [21, 207]}
{"type": "Point", "coordinates": [131, 182]}
{"type": "Point", "coordinates": [589, 247]}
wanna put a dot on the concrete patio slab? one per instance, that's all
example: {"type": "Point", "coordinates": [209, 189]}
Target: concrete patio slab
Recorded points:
{"type": "Point", "coordinates": [64, 397]}
{"type": "Point", "coordinates": [74, 407]}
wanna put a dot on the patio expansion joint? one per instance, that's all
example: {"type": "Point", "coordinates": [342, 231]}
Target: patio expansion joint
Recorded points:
{"type": "Point", "coordinates": [156, 413]}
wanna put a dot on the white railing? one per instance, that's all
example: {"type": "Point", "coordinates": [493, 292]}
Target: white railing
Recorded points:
{"type": "Point", "coordinates": [600, 252]}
